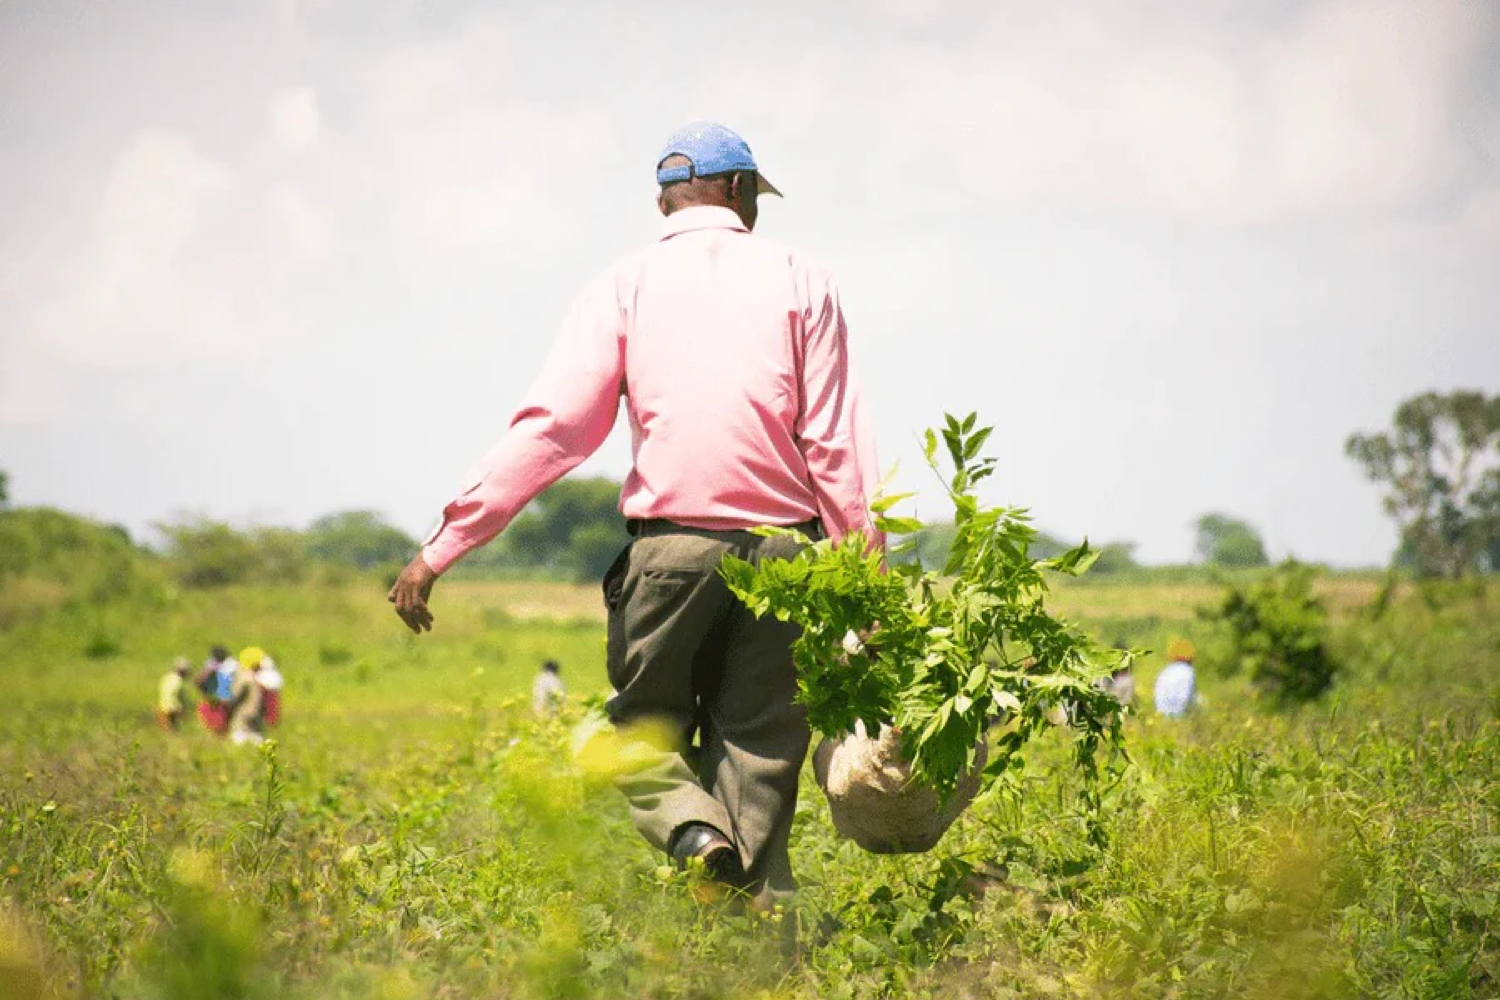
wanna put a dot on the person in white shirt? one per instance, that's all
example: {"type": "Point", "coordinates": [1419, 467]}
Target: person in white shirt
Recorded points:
{"type": "Point", "coordinates": [1175, 692]}
{"type": "Point", "coordinates": [547, 690]}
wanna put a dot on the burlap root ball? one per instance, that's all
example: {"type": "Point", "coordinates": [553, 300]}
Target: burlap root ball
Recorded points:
{"type": "Point", "coordinates": [874, 801]}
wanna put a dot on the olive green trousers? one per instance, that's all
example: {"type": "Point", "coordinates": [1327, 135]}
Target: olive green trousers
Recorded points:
{"type": "Point", "coordinates": [709, 689]}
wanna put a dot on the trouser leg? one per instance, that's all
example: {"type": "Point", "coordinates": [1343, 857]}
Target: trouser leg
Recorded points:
{"type": "Point", "coordinates": [660, 616]}
{"type": "Point", "coordinates": [758, 740]}
{"type": "Point", "coordinates": [685, 655]}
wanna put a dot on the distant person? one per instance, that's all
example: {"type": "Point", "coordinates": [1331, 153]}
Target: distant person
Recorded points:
{"type": "Point", "coordinates": [206, 680]}
{"type": "Point", "coordinates": [212, 709]}
{"type": "Point", "coordinates": [1121, 683]}
{"type": "Point", "coordinates": [547, 690]}
{"type": "Point", "coordinates": [229, 669]}
{"type": "Point", "coordinates": [172, 695]}
{"type": "Point", "coordinates": [1176, 685]}
{"type": "Point", "coordinates": [245, 699]}
{"type": "Point", "coordinates": [269, 679]}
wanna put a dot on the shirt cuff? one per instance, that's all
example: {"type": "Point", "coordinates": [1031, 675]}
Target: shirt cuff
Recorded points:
{"type": "Point", "coordinates": [442, 551]}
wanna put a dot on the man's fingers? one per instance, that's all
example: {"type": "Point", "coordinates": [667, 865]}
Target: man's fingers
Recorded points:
{"type": "Point", "coordinates": [410, 598]}
{"type": "Point", "coordinates": [413, 611]}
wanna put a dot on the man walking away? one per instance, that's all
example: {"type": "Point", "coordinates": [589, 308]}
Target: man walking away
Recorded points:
{"type": "Point", "coordinates": [731, 354]}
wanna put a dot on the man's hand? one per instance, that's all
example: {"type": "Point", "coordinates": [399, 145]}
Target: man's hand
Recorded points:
{"type": "Point", "coordinates": [410, 594]}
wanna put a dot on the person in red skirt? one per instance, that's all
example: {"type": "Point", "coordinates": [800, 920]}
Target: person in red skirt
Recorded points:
{"type": "Point", "coordinates": [269, 679]}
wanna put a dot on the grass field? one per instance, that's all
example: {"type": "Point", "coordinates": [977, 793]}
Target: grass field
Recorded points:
{"type": "Point", "coordinates": [412, 833]}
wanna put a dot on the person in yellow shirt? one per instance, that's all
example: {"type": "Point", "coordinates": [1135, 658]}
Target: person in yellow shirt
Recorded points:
{"type": "Point", "coordinates": [172, 695]}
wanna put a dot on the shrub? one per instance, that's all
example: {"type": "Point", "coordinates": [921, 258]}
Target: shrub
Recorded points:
{"type": "Point", "coordinates": [1278, 632]}
{"type": "Point", "coordinates": [334, 655]}
{"type": "Point", "coordinates": [209, 553]}
{"type": "Point", "coordinates": [101, 646]}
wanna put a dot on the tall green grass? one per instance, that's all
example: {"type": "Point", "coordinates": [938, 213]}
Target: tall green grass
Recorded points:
{"type": "Point", "coordinates": [413, 832]}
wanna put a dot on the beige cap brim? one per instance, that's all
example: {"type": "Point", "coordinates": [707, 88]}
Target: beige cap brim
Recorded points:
{"type": "Point", "coordinates": [763, 186]}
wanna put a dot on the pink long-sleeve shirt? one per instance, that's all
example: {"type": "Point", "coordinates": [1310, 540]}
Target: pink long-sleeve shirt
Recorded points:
{"type": "Point", "coordinates": [732, 356]}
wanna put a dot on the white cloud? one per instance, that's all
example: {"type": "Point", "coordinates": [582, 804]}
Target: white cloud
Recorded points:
{"type": "Point", "coordinates": [121, 299]}
{"type": "Point", "coordinates": [298, 224]}
{"type": "Point", "coordinates": [1359, 103]}
{"type": "Point", "coordinates": [295, 120]}
{"type": "Point", "coordinates": [153, 203]}
{"type": "Point", "coordinates": [1351, 106]}
{"type": "Point", "coordinates": [1482, 215]}
{"type": "Point", "coordinates": [472, 165]}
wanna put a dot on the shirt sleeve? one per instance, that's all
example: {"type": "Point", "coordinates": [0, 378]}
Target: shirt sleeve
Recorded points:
{"type": "Point", "coordinates": [835, 431]}
{"type": "Point", "coordinates": [567, 414]}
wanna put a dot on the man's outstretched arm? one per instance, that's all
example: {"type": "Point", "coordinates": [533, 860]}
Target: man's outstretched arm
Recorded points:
{"type": "Point", "coordinates": [566, 416]}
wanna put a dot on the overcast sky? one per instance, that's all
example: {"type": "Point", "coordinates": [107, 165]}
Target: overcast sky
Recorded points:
{"type": "Point", "coordinates": [265, 259]}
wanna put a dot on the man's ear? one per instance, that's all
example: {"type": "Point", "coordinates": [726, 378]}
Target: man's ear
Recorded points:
{"type": "Point", "coordinates": [661, 201]}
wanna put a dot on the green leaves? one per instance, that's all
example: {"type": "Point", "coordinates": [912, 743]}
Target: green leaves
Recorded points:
{"type": "Point", "coordinates": [952, 653]}
{"type": "Point", "coordinates": [1075, 562]}
{"type": "Point", "coordinates": [898, 525]}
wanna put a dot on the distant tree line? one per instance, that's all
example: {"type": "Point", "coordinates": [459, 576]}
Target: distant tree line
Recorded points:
{"type": "Point", "coordinates": [1438, 466]}
{"type": "Point", "coordinates": [571, 532]}
{"type": "Point", "coordinates": [207, 553]}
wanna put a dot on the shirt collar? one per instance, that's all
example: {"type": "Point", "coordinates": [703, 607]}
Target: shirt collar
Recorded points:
{"type": "Point", "coordinates": [701, 217]}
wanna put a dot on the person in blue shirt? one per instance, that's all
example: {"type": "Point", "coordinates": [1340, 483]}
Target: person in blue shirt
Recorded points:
{"type": "Point", "coordinates": [1176, 688]}
{"type": "Point", "coordinates": [229, 668]}
{"type": "Point", "coordinates": [216, 681]}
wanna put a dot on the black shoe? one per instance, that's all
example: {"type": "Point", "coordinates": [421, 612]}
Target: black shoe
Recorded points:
{"type": "Point", "coordinates": [721, 862]}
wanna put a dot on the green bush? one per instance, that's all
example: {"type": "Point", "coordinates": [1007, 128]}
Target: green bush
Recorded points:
{"type": "Point", "coordinates": [334, 655]}
{"type": "Point", "coordinates": [101, 646]}
{"type": "Point", "coordinates": [50, 559]}
{"type": "Point", "coordinates": [358, 538]}
{"type": "Point", "coordinates": [208, 553]}
{"type": "Point", "coordinates": [1278, 633]}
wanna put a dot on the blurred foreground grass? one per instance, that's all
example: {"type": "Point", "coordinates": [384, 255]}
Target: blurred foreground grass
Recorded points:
{"type": "Point", "coordinates": [413, 833]}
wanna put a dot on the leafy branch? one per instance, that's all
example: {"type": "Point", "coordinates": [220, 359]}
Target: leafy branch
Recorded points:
{"type": "Point", "coordinates": [948, 658]}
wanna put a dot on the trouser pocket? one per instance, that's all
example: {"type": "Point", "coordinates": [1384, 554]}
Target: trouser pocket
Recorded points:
{"type": "Point", "coordinates": [613, 583]}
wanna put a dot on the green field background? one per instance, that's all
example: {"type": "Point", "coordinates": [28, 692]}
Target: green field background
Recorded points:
{"type": "Point", "coordinates": [413, 832]}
